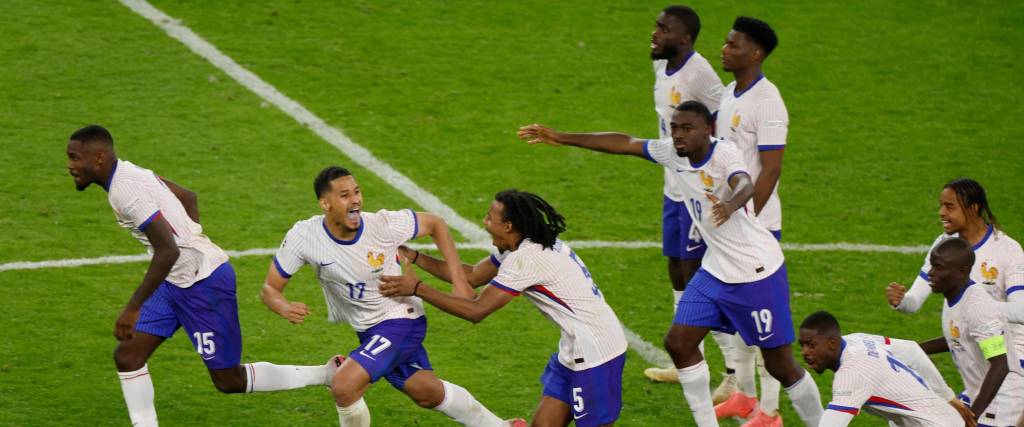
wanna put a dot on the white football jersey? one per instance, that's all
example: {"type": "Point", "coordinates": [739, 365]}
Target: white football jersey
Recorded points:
{"type": "Point", "coordinates": [872, 378]}
{"type": "Point", "coordinates": [139, 196]}
{"type": "Point", "coordinates": [695, 80]}
{"type": "Point", "coordinates": [911, 354]}
{"type": "Point", "coordinates": [349, 270]}
{"type": "Point", "coordinates": [739, 251]}
{"type": "Point", "coordinates": [967, 322]}
{"type": "Point", "coordinates": [756, 120]}
{"type": "Point", "coordinates": [998, 268]}
{"type": "Point", "coordinates": [558, 283]}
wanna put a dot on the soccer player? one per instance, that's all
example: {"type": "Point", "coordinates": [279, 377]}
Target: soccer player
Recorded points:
{"type": "Point", "coordinates": [890, 378]}
{"type": "Point", "coordinates": [974, 332]}
{"type": "Point", "coordinates": [752, 114]}
{"type": "Point", "coordinates": [998, 266]}
{"type": "Point", "coordinates": [682, 74]}
{"type": "Point", "coordinates": [189, 282]}
{"type": "Point", "coordinates": [741, 285]}
{"type": "Point", "coordinates": [583, 379]}
{"type": "Point", "coordinates": [350, 250]}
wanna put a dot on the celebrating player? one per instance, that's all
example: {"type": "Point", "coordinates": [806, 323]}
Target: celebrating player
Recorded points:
{"type": "Point", "coordinates": [741, 285]}
{"type": "Point", "coordinates": [681, 74]}
{"type": "Point", "coordinates": [350, 251]}
{"type": "Point", "coordinates": [974, 332]}
{"type": "Point", "coordinates": [890, 378]}
{"type": "Point", "coordinates": [189, 282]}
{"type": "Point", "coordinates": [583, 380]}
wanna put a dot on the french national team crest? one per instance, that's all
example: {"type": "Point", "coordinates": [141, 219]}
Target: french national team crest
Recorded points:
{"type": "Point", "coordinates": [735, 122]}
{"type": "Point", "coordinates": [676, 97]}
{"type": "Point", "coordinates": [376, 261]}
{"type": "Point", "coordinates": [708, 181]}
{"type": "Point", "coordinates": [954, 331]}
{"type": "Point", "coordinates": [989, 273]}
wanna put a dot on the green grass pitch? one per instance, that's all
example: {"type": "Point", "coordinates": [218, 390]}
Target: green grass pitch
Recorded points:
{"type": "Point", "coordinates": [887, 101]}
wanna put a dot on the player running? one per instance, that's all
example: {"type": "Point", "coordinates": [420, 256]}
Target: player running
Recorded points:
{"type": "Point", "coordinates": [741, 285]}
{"type": "Point", "coordinates": [681, 74]}
{"type": "Point", "coordinates": [583, 379]}
{"type": "Point", "coordinates": [888, 377]}
{"type": "Point", "coordinates": [974, 332]}
{"type": "Point", "coordinates": [189, 282]}
{"type": "Point", "coordinates": [350, 250]}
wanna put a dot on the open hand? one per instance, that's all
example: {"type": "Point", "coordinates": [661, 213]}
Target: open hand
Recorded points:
{"type": "Point", "coordinates": [720, 210]}
{"type": "Point", "coordinates": [538, 134]}
{"type": "Point", "coordinates": [124, 327]}
{"type": "Point", "coordinates": [894, 293]}
{"type": "Point", "coordinates": [400, 286]}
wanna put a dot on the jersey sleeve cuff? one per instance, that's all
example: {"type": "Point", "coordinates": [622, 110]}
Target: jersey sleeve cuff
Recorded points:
{"type": "Point", "coordinates": [415, 224]}
{"type": "Point", "coordinates": [736, 173]}
{"type": "Point", "coordinates": [1013, 289]}
{"type": "Point", "coordinates": [504, 288]}
{"type": "Point", "coordinates": [280, 270]}
{"type": "Point", "coordinates": [846, 409]}
{"type": "Point", "coordinates": [647, 152]}
{"type": "Point", "coordinates": [771, 147]}
{"type": "Point", "coordinates": [145, 224]}
{"type": "Point", "coordinates": [494, 260]}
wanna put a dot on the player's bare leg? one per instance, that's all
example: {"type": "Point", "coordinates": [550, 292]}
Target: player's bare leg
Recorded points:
{"type": "Point", "coordinates": [551, 413]}
{"type": "Point", "coordinates": [800, 387]}
{"type": "Point", "coordinates": [130, 357]}
{"type": "Point", "coordinates": [679, 273]}
{"type": "Point", "coordinates": [430, 392]}
{"type": "Point", "coordinates": [348, 386]}
{"type": "Point", "coordinates": [683, 345]}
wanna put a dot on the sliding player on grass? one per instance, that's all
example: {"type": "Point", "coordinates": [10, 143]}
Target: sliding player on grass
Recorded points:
{"type": "Point", "coordinates": [189, 282]}
{"type": "Point", "coordinates": [583, 379]}
{"type": "Point", "coordinates": [890, 378]}
{"type": "Point", "coordinates": [350, 250]}
{"type": "Point", "coordinates": [742, 284]}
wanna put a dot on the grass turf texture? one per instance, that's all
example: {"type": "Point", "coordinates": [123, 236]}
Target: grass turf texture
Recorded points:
{"type": "Point", "coordinates": [884, 109]}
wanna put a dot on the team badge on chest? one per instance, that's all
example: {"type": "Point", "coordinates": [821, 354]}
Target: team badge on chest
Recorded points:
{"type": "Point", "coordinates": [376, 261]}
{"type": "Point", "coordinates": [989, 273]}
{"type": "Point", "coordinates": [707, 181]}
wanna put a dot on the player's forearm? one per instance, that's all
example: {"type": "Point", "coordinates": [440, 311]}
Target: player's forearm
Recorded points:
{"type": "Point", "coordinates": [446, 244]}
{"type": "Point", "coordinates": [274, 299]}
{"type": "Point", "coordinates": [997, 371]}
{"type": "Point", "coordinates": [161, 264]}
{"type": "Point", "coordinates": [741, 193]}
{"type": "Point", "coordinates": [605, 142]}
{"type": "Point", "coordinates": [763, 188]}
{"type": "Point", "coordinates": [461, 307]}
{"type": "Point", "coordinates": [934, 346]}
{"type": "Point", "coordinates": [439, 268]}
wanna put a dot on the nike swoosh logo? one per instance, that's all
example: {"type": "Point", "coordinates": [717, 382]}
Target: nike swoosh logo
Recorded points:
{"type": "Point", "coordinates": [680, 170]}
{"type": "Point", "coordinates": [325, 265]}
{"type": "Point", "coordinates": [208, 358]}
{"type": "Point", "coordinates": [693, 248]}
{"type": "Point", "coordinates": [576, 417]}
{"type": "Point", "coordinates": [765, 337]}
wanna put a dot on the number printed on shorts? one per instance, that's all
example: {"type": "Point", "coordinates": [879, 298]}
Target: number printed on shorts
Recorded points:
{"type": "Point", "coordinates": [762, 320]}
{"type": "Point", "coordinates": [377, 344]}
{"type": "Point", "coordinates": [204, 343]}
{"type": "Point", "coordinates": [577, 399]}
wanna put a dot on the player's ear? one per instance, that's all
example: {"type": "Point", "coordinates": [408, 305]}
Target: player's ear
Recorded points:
{"type": "Point", "coordinates": [324, 205]}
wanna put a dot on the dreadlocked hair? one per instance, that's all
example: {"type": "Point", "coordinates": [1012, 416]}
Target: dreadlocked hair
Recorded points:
{"type": "Point", "coordinates": [531, 216]}
{"type": "Point", "coordinates": [971, 195]}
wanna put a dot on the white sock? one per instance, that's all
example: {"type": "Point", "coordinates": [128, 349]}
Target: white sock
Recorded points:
{"type": "Point", "coordinates": [137, 387]}
{"type": "Point", "coordinates": [696, 383]}
{"type": "Point", "coordinates": [354, 415]}
{"type": "Point", "coordinates": [677, 295]}
{"type": "Point", "coordinates": [743, 363]}
{"type": "Point", "coordinates": [263, 376]}
{"type": "Point", "coordinates": [462, 407]}
{"type": "Point", "coordinates": [770, 388]}
{"type": "Point", "coordinates": [724, 342]}
{"type": "Point", "coordinates": [806, 400]}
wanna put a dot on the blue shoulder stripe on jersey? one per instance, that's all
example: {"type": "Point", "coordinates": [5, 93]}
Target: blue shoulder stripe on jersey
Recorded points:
{"type": "Point", "coordinates": [988, 233]}
{"type": "Point", "coordinates": [494, 260]}
{"type": "Point", "coordinates": [923, 275]}
{"type": "Point", "coordinates": [359, 233]}
{"type": "Point", "coordinates": [771, 147]}
{"type": "Point", "coordinates": [707, 157]}
{"type": "Point", "coordinates": [740, 93]}
{"type": "Point", "coordinates": [1013, 289]}
{"type": "Point", "coordinates": [142, 227]}
{"type": "Point", "coordinates": [647, 152]}
{"type": "Point", "coordinates": [729, 178]}
{"type": "Point", "coordinates": [280, 270]}
{"type": "Point", "coordinates": [504, 288]}
{"type": "Point", "coordinates": [846, 409]}
{"type": "Point", "coordinates": [111, 177]}
{"type": "Point", "coordinates": [415, 224]}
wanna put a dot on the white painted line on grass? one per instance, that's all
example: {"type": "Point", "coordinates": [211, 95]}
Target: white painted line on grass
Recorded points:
{"type": "Point", "coordinates": [332, 135]}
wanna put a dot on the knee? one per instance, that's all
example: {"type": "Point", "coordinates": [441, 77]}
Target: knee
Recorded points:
{"type": "Point", "coordinates": [127, 361]}
{"type": "Point", "coordinates": [428, 402]}
{"type": "Point", "coordinates": [787, 373]}
{"type": "Point", "coordinates": [344, 394]}
{"type": "Point", "coordinates": [676, 345]}
{"type": "Point", "coordinates": [229, 381]}
{"type": "Point", "coordinates": [425, 395]}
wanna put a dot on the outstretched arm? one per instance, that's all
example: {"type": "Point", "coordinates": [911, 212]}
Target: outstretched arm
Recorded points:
{"type": "Point", "coordinates": [272, 295]}
{"type": "Point", "coordinates": [473, 309]}
{"type": "Point", "coordinates": [165, 254]}
{"type": "Point", "coordinates": [934, 345]}
{"type": "Point", "coordinates": [477, 275]}
{"type": "Point", "coordinates": [435, 227]}
{"type": "Point", "coordinates": [188, 198]}
{"type": "Point", "coordinates": [612, 143]}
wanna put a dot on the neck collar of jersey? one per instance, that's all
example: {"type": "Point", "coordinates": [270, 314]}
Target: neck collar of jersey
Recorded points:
{"type": "Point", "coordinates": [842, 349]}
{"type": "Point", "coordinates": [340, 241]}
{"type": "Point", "coordinates": [669, 72]}
{"type": "Point", "coordinates": [952, 301]}
{"type": "Point", "coordinates": [747, 89]}
{"type": "Point", "coordinates": [110, 179]}
{"type": "Point", "coordinates": [707, 157]}
{"type": "Point", "coordinates": [988, 233]}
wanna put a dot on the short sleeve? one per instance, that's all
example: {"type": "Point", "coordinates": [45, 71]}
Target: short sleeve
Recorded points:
{"type": "Point", "coordinates": [513, 275]}
{"type": "Point", "coordinates": [289, 258]}
{"type": "Point", "coordinates": [1015, 269]}
{"type": "Point", "coordinates": [136, 207]}
{"type": "Point", "coordinates": [987, 328]}
{"type": "Point", "coordinates": [772, 121]}
{"type": "Point", "coordinates": [850, 390]}
{"type": "Point", "coordinates": [730, 161]}
{"type": "Point", "coordinates": [402, 225]}
{"type": "Point", "coordinates": [498, 258]}
{"type": "Point", "coordinates": [660, 151]}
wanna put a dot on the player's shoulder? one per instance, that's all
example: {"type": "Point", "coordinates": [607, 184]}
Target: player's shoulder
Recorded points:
{"type": "Point", "coordinates": [131, 181]}
{"type": "Point", "coordinates": [658, 65]}
{"type": "Point", "coordinates": [306, 227]}
{"type": "Point", "coordinates": [725, 150]}
{"type": "Point", "coordinates": [1006, 244]}
{"type": "Point", "coordinates": [698, 66]}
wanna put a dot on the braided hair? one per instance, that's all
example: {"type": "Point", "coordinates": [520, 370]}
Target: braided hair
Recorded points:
{"type": "Point", "coordinates": [971, 196]}
{"type": "Point", "coordinates": [531, 216]}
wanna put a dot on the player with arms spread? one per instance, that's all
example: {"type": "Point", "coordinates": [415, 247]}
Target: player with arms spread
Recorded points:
{"type": "Point", "coordinates": [583, 380]}
{"type": "Point", "coordinates": [189, 282]}
{"type": "Point", "coordinates": [741, 285]}
{"type": "Point", "coordinates": [879, 374]}
{"type": "Point", "coordinates": [974, 332]}
{"type": "Point", "coordinates": [350, 250]}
